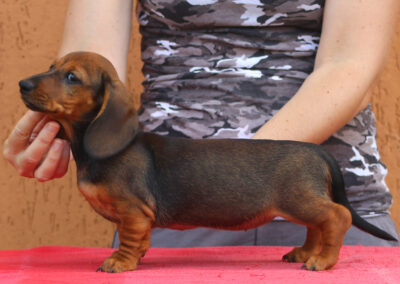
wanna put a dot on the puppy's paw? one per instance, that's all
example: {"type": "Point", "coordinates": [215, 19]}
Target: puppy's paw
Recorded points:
{"type": "Point", "coordinates": [297, 255]}
{"type": "Point", "coordinates": [117, 263]}
{"type": "Point", "coordinates": [318, 263]}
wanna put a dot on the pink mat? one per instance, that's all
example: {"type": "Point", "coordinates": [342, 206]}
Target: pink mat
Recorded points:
{"type": "Point", "coordinates": [357, 264]}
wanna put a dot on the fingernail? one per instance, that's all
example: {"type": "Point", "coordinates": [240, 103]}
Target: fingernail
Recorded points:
{"type": "Point", "coordinates": [41, 178]}
{"type": "Point", "coordinates": [58, 144]}
{"type": "Point", "coordinates": [52, 126]}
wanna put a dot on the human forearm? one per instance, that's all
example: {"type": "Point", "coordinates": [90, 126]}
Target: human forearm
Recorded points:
{"type": "Point", "coordinates": [100, 26]}
{"type": "Point", "coordinates": [355, 39]}
{"type": "Point", "coordinates": [331, 96]}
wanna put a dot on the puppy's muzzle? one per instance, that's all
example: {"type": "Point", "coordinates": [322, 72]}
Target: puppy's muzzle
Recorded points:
{"type": "Point", "coordinates": [32, 100]}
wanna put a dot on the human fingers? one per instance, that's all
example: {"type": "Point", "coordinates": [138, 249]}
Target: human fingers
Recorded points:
{"type": "Point", "coordinates": [62, 166]}
{"type": "Point", "coordinates": [28, 161]}
{"type": "Point", "coordinates": [46, 170]}
{"type": "Point", "coordinates": [19, 137]}
{"type": "Point", "coordinates": [39, 126]}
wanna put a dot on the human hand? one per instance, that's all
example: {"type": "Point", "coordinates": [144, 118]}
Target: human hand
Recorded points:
{"type": "Point", "coordinates": [33, 149]}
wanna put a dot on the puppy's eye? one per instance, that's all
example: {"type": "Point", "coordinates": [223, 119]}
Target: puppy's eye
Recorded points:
{"type": "Point", "coordinates": [72, 78]}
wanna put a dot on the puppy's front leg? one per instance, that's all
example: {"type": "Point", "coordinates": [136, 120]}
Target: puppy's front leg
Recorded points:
{"type": "Point", "coordinates": [134, 234]}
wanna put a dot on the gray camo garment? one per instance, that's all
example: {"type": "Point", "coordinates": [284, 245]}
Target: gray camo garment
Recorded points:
{"type": "Point", "coordinates": [221, 69]}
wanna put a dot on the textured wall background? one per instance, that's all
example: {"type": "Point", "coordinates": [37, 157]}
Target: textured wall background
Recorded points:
{"type": "Point", "coordinates": [386, 104]}
{"type": "Point", "coordinates": [54, 213]}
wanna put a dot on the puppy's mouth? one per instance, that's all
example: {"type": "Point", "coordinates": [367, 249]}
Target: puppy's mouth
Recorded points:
{"type": "Point", "coordinates": [34, 104]}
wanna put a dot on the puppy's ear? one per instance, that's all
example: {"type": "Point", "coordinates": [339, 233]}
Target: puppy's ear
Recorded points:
{"type": "Point", "coordinates": [116, 124]}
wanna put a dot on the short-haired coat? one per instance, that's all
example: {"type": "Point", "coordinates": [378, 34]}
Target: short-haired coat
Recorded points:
{"type": "Point", "coordinates": [141, 180]}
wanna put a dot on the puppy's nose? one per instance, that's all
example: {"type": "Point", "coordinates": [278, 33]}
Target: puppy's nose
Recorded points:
{"type": "Point", "coordinates": [26, 86]}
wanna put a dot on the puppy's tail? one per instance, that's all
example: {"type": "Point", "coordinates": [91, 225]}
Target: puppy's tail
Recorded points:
{"type": "Point", "coordinates": [339, 196]}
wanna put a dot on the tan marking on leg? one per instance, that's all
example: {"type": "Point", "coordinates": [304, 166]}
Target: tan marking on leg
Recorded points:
{"type": "Point", "coordinates": [333, 230]}
{"type": "Point", "coordinates": [134, 234]}
{"type": "Point", "coordinates": [312, 246]}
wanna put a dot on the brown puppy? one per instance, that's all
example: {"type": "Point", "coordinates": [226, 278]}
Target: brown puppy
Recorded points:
{"type": "Point", "coordinates": [141, 180]}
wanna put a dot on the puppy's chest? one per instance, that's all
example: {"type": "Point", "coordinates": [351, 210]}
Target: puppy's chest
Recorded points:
{"type": "Point", "coordinates": [100, 200]}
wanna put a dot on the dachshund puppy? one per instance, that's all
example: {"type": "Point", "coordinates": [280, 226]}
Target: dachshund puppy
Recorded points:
{"type": "Point", "coordinates": [141, 180]}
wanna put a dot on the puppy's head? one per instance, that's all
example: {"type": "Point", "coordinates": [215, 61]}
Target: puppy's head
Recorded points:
{"type": "Point", "coordinates": [82, 91]}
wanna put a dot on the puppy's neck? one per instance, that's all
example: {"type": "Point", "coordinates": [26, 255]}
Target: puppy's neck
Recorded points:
{"type": "Point", "coordinates": [77, 148]}
{"type": "Point", "coordinates": [73, 133]}
{"type": "Point", "coordinates": [66, 132]}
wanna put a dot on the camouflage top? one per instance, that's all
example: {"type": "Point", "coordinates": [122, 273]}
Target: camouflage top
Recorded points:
{"type": "Point", "coordinates": [222, 68]}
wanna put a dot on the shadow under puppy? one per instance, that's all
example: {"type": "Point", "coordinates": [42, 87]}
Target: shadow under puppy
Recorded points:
{"type": "Point", "coordinates": [142, 180]}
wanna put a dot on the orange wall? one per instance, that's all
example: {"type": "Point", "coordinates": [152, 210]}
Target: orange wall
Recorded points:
{"type": "Point", "coordinates": [386, 104]}
{"type": "Point", "coordinates": [54, 213]}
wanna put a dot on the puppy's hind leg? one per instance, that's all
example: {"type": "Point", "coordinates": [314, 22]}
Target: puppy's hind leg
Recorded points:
{"type": "Point", "coordinates": [333, 230]}
{"type": "Point", "coordinates": [324, 238]}
{"type": "Point", "coordinates": [312, 246]}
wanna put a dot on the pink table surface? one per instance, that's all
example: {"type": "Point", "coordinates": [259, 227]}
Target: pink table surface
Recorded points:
{"type": "Point", "coordinates": [197, 265]}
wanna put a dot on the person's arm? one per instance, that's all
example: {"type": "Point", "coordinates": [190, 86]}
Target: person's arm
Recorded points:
{"type": "Point", "coordinates": [356, 37]}
{"type": "Point", "coordinates": [101, 26]}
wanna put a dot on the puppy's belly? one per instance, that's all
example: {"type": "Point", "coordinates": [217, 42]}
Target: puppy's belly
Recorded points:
{"type": "Point", "coordinates": [233, 225]}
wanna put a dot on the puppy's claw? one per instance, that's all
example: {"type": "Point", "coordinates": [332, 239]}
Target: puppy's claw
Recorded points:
{"type": "Point", "coordinates": [117, 263]}
{"type": "Point", "coordinates": [318, 263]}
{"type": "Point", "coordinates": [287, 258]}
{"type": "Point", "coordinates": [312, 268]}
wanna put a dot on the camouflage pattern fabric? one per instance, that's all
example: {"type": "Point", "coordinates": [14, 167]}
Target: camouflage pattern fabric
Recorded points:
{"type": "Point", "coordinates": [221, 69]}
